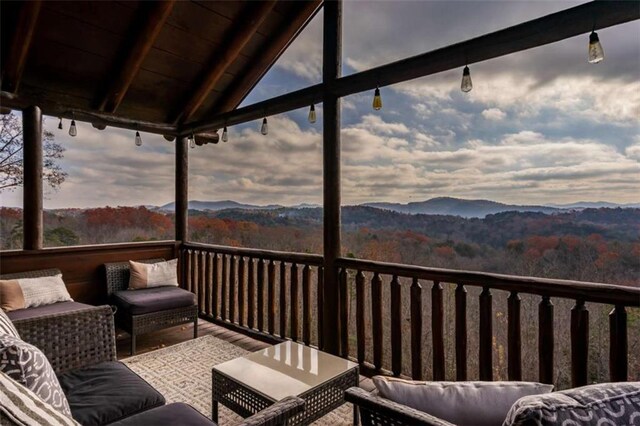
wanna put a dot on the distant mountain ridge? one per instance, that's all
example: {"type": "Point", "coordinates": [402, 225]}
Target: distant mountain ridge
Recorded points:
{"type": "Point", "coordinates": [220, 205]}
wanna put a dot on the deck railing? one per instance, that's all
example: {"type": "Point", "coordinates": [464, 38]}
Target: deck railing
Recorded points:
{"type": "Point", "coordinates": [278, 294]}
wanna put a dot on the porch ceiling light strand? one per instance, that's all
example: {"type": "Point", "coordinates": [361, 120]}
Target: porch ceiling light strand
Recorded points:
{"type": "Point", "coordinates": [466, 85]}
{"type": "Point", "coordinates": [225, 134]}
{"type": "Point", "coordinates": [596, 53]}
{"type": "Point", "coordinates": [192, 140]}
{"type": "Point", "coordinates": [138, 139]}
{"type": "Point", "coordinates": [60, 123]}
{"type": "Point", "coordinates": [312, 114]}
{"type": "Point", "coordinates": [73, 131]}
{"type": "Point", "coordinates": [377, 100]}
{"type": "Point", "coordinates": [264, 129]}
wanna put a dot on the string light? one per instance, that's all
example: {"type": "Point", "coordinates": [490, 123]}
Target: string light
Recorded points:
{"type": "Point", "coordinates": [138, 139]}
{"type": "Point", "coordinates": [596, 53]}
{"type": "Point", "coordinates": [466, 84]}
{"type": "Point", "coordinates": [225, 135]}
{"type": "Point", "coordinates": [265, 127]}
{"type": "Point", "coordinates": [377, 100]}
{"type": "Point", "coordinates": [60, 123]}
{"type": "Point", "coordinates": [312, 114]}
{"type": "Point", "coordinates": [192, 140]}
{"type": "Point", "coordinates": [73, 131]}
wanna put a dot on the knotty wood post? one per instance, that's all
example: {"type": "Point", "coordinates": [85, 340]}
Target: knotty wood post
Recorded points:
{"type": "Point", "coordinates": [331, 69]}
{"type": "Point", "coordinates": [182, 188]}
{"type": "Point", "coordinates": [32, 178]}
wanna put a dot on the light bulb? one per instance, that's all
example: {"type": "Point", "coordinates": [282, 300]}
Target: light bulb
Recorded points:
{"type": "Point", "coordinates": [72, 129]}
{"type": "Point", "coordinates": [377, 100]}
{"type": "Point", "coordinates": [192, 141]}
{"type": "Point", "coordinates": [225, 136]}
{"type": "Point", "coordinates": [60, 124]}
{"type": "Point", "coordinates": [596, 54]}
{"type": "Point", "coordinates": [312, 114]}
{"type": "Point", "coordinates": [138, 139]}
{"type": "Point", "coordinates": [466, 84]}
{"type": "Point", "coordinates": [265, 127]}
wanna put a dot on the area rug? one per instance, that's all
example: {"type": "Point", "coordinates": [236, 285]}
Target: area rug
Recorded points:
{"type": "Point", "coordinates": [182, 373]}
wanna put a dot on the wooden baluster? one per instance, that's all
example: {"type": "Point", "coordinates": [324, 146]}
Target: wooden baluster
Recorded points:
{"type": "Point", "coordinates": [437, 321]}
{"type": "Point", "coordinates": [208, 284]}
{"type": "Point", "coordinates": [514, 339]}
{"type": "Point", "coordinates": [241, 290]}
{"type": "Point", "coordinates": [261, 294]}
{"type": "Point", "coordinates": [360, 319]}
{"type": "Point", "coordinates": [182, 268]}
{"type": "Point", "coordinates": [232, 288]}
{"type": "Point", "coordinates": [461, 332]}
{"type": "Point", "coordinates": [306, 305]}
{"type": "Point", "coordinates": [295, 296]}
{"type": "Point", "coordinates": [396, 326]}
{"type": "Point", "coordinates": [202, 282]}
{"type": "Point", "coordinates": [376, 319]}
{"type": "Point", "coordinates": [618, 344]}
{"type": "Point", "coordinates": [271, 296]}
{"type": "Point", "coordinates": [416, 330]}
{"type": "Point", "coordinates": [320, 304]}
{"type": "Point", "coordinates": [344, 313]}
{"type": "Point", "coordinates": [188, 271]}
{"type": "Point", "coordinates": [579, 344]}
{"type": "Point", "coordinates": [283, 299]}
{"type": "Point", "coordinates": [224, 277]}
{"type": "Point", "coordinates": [216, 285]}
{"type": "Point", "coordinates": [251, 296]}
{"type": "Point", "coordinates": [545, 340]}
{"type": "Point", "coordinates": [485, 358]}
{"type": "Point", "coordinates": [194, 277]}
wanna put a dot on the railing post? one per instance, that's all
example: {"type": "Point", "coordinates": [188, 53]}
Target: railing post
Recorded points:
{"type": "Point", "coordinates": [182, 189]}
{"type": "Point", "coordinates": [545, 340]}
{"type": "Point", "coordinates": [331, 69]}
{"type": "Point", "coordinates": [579, 344]}
{"type": "Point", "coordinates": [618, 359]}
{"type": "Point", "coordinates": [33, 225]}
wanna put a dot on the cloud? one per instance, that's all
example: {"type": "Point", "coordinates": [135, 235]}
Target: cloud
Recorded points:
{"type": "Point", "coordinates": [494, 114]}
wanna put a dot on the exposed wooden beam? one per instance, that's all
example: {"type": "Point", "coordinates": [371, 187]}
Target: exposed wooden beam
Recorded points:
{"type": "Point", "coordinates": [146, 28]}
{"type": "Point", "coordinates": [241, 32]}
{"type": "Point", "coordinates": [545, 30]}
{"type": "Point", "coordinates": [263, 60]}
{"type": "Point", "coordinates": [20, 44]}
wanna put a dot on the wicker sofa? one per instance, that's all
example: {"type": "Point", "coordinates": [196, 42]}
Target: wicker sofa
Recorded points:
{"type": "Point", "coordinates": [146, 310]}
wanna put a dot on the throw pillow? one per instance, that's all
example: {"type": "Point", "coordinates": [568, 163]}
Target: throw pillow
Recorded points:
{"type": "Point", "coordinates": [30, 292]}
{"type": "Point", "coordinates": [6, 325]}
{"type": "Point", "coordinates": [146, 275]}
{"type": "Point", "coordinates": [22, 407]}
{"type": "Point", "coordinates": [28, 366]}
{"type": "Point", "coordinates": [461, 403]}
{"type": "Point", "coordinates": [601, 404]}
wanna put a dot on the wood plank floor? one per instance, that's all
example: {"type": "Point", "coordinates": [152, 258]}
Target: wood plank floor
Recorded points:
{"type": "Point", "coordinates": [171, 336]}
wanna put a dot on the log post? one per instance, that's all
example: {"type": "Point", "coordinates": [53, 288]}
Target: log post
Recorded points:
{"type": "Point", "coordinates": [182, 189]}
{"type": "Point", "coordinates": [32, 179]}
{"type": "Point", "coordinates": [331, 70]}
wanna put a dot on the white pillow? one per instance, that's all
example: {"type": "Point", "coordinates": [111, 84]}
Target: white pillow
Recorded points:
{"type": "Point", "coordinates": [24, 293]}
{"type": "Point", "coordinates": [461, 403]}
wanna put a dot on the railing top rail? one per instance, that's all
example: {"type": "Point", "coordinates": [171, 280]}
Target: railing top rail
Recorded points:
{"type": "Point", "coordinates": [301, 258]}
{"type": "Point", "coordinates": [589, 292]}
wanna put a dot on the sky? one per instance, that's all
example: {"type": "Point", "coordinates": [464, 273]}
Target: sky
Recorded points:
{"type": "Point", "coordinates": [540, 126]}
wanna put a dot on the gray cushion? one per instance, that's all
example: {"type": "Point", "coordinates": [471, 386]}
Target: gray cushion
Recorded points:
{"type": "Point", "coordinates": [107, 392]}
{"type": "Point", "coordinates": [171, 414]}
{"type": "Point", "coordinates": [39, 311]}
{"type": "Point", "coordinates": [602, 404]}
{"type": "Point", "coordinates": [28, 366]}
{"type": "Point", "coordinates": [155, 299]}
{"type": "Point", "coordinates": [461, 403]}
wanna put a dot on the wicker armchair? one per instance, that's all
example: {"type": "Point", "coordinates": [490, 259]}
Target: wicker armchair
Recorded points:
{"type": "Point", "coordinates": [118, 280]}
{"type": "Point", "coordinates": [375, 410]}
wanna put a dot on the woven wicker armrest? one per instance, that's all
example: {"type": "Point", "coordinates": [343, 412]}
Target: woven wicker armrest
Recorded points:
{"type": "Point", "coordinates": [73, 339]}
{"type": "Point", "coordinates": [375, 410]}
{"type": "Point", "coordinates": [276, 414]}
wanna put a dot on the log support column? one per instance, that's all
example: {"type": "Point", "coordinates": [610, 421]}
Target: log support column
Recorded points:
{"type": "Point", "coordinates": [33, 227]}
{"type": "Point", "coordinates": [182, 188]}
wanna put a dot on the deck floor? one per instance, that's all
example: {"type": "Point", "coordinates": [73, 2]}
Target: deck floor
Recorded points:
{"type": "Point", "coordinates": [171, 336]}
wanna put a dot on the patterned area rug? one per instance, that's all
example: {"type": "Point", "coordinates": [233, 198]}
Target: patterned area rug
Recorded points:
{"type": "Point", "coordinates": [182, 373]}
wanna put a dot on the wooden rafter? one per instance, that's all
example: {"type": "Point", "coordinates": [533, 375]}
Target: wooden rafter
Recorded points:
{"type": "Point", "coordinates": [146, 30]}
{"type": "Point", "coordinates": [244, 28]}
{"type": "Point", "coordinates": [20, 44]}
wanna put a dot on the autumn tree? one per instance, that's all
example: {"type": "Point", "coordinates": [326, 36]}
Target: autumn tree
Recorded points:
{"type": "Point", "coordinates": [11, 164]}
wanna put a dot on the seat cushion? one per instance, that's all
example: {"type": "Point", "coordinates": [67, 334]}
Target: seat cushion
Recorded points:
{"type": "Point", "coordinates": [155, 299]}
{"type": "Point", "coordinates": [107, 392]}
{"type": "Point", "coordinates": [39, 311]}
{"type": "Point", "coordinates": [171, 414]}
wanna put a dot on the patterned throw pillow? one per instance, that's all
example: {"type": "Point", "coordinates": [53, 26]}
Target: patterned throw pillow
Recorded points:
{"type": "Point", "coordinates": [28, 366]}
{"type": "Point", "coordinates": [18, 405]}
{"type": "Point", "coordinates": [30, 292]}
{"type": "Point", "coordinates": [146, 275]}
{"type": "Point", "coordinates": [6, 325]}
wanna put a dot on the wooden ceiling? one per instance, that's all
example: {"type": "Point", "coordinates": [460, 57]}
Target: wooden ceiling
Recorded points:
{"type": "Point", "coordinates": [156, 65]}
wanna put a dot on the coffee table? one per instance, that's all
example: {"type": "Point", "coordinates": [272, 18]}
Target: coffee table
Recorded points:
{"type": "Point", "coordinates": [252, 383]}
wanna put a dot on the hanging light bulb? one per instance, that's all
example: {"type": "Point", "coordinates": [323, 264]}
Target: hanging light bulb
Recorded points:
{"type": "Point", "coordinates": [192, 140]}
{"type": "Point", "coordinates": [73, 131]}
{"type": "Point", "coordinates": [60, 123]}
{"type": "Point", "coordinates": [265, 127]}
{"type": "Point", "coordinates": [466, 84]}
{"type": "Point", "coordinates": [225, 136]}
{"type": "Point", "coordinates": [596, 53]}
{"type": "Point", "coordinates": [138, 139]}
{"type": "Point", "coordinates": [377, 100]}
{"type": "Point", "coordinates": [312, 114]}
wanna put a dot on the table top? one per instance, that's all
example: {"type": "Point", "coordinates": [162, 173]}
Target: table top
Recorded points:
{"type": "Point", "coordinates": [285, 369]}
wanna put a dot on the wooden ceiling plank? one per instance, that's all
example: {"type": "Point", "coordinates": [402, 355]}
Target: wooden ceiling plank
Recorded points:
{"type": "Point", "coordinates": [263, 60]}
{"type": "Point", "coordinates": [244, 28]}
{"type": "Point", "coordinates": [20, 44]}
{"type": "Point", "coordinates": [128, 65]}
